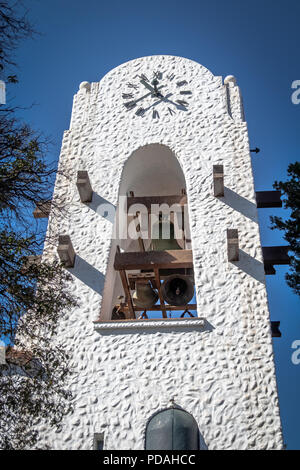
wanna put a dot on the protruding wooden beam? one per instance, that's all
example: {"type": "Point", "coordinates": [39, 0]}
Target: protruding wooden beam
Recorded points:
{"type": "Point", "coordinates": [218, 176]}
{"type": "Point", "coordinates": [84, 186]}
{"type": "Point", "coordinates": [18, 357]}
{"type": "Point", "coordinates": [232, 245]}
{"type": "Point", "coordinates": [276, 333]}
{"type": "Point", "coordinates": [168, 259]}
{"type": "Point", "coordinates": [266, 199]}
{"type": "Point", "coordinates": [269, 269]}
{"type": "Point", "coordinates": [66, 251]}
{"type": "Point", "coordinates": [2, 354]}
{"type": "Point", "coordinates": [42, 209]}
{"type": "Point", "coordinates": [276, 255]}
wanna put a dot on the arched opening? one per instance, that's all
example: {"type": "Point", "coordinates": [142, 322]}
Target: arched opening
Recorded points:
{"type": "Point", "coordinates": [172, 429]}
{"type": "Point", "coordinates": [152, 170]}
{"type": "Point", "coordinates": [152, 230]}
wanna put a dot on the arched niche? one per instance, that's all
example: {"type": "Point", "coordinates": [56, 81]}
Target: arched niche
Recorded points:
{"type": "Point", "coordinates": [172, 429]}
{"type": "Point", "coordinates": [151, 170]}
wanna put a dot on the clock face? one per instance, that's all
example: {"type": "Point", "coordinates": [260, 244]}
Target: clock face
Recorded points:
{"type": "Point", "coordinates": [158, 94]}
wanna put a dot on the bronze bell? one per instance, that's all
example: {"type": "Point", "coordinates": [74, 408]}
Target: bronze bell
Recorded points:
{"type": "Point", "coordinates": [144, 296]}
{"type": "Point", "coordinates": [178, 289]}
{"type": "Point", "coordinates": [160, 243]}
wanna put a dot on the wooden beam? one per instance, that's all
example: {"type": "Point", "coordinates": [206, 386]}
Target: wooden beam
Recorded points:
{"type": "Point", "coordinates": [276, 255]}
{"type": "Point", "coordinates": [18, 356]}
{"type": "Point", "coordinates": [161, 299]}
{"type": "Point", "coordinates": [158, 308]}
{"type": "Point", "coordinates": [42, 209]}
{"type": "Point", "coordinates": [269, 269]}
{"type": "Point", "coordinates": [66, 251]}
{"type": "Point", "coordinates": [276, 333]}
{"type": "Point", "coordinates": [151, 320]}
{"type": "Point", "coordinates": [232, 245]}
{"type": "Point", "coordinates": [127, 293]}
{"type": "Point", "coordinates": [132, 278]}
{"type": "Point", "coordinates": [138, 230]}
{"type": "Point", "coordinates": [266, 199]}
{"type": "Point", "coordinates": [218, 179]}
{"type": "Point", "coordinates": [169, 259]}
{"type": "Point", "coordinates": [147, 201]}
{"type": "Point", "coordinates": [84, 186]}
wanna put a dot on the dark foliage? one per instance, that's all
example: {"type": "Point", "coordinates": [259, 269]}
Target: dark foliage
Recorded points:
{"type": "Point", "coordinates": [14, 26]}
{"type": "Point", "coordinates": [34, 292]}
{"type": "Point", "coordinates": [291, 227]}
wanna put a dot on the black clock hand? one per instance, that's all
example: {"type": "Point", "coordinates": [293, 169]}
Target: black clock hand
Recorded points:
{"type": "Point", "coordinates": [155, 83]}
{"type": "Point", "coordinates": [155, 90]}
{"type": "Point", "coordinates": [142, 97]}
{"type": "Point", "coordinates": [131, 104]}
{"type": "Point", "coordinates": [178, 105]}
{"type": "Point", "coordinates": [143, 82]}
{"type": "Point", "coordinates": [163, 98]}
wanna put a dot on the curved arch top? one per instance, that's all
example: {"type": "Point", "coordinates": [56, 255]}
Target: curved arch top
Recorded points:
{"type": "Point", "coordinates": [151, 170]}
{"type": "Point", "coordinates": [172, 429]}
{"type": "Point", "coordinates": [169, 60]}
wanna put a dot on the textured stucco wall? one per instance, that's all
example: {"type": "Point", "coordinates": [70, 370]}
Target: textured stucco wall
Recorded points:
{"type": "Point", "coordinates": [223, 372]}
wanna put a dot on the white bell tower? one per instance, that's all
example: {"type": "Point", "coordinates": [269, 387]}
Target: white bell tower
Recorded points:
{"type": "Point", "coordinates": [163, 130]}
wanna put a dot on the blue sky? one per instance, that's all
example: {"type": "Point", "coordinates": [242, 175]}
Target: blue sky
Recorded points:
{"type": "Point", "coordinates": [255, 40]}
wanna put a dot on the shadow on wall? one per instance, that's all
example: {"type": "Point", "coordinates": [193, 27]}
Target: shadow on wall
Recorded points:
{"type": "Point", "coordinates": [251, 266]}
{"type": "Point", "coordinates": [118, 329]}
{"type": "Point", "coordinates": [240, 204]}
{"type": "Point", "coordinates": [103, 207]}
{"type": "Point", "coordinates": [87, 274]}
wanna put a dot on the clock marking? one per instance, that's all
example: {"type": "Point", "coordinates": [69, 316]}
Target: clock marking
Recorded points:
{"type": "Point", "coordinates": [143, 77]}
{"type": "Point", "coordinates": [183, 82]}
{"type": "Point", "coordinates": [182, 103]}
{"type": "Point", "coordinates": [157, 75]}
{"type": "Point", "coordinates": [130, 104]}
{"type": "Point", "coordinates": [127, 96]}
{"type": "Point", "coordinates": [157, 90]}
{"type": "Point", "coordinates": [140, 112]}
{"type": "Point", "coordinates": [131, 85]}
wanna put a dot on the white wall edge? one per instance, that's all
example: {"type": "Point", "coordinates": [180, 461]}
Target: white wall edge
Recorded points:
{"type": "Point", "coordinates": [151, 323]}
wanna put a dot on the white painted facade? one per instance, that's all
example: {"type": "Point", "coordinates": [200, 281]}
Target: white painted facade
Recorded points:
{"type": "Point", "coordinates": [218, 367]}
